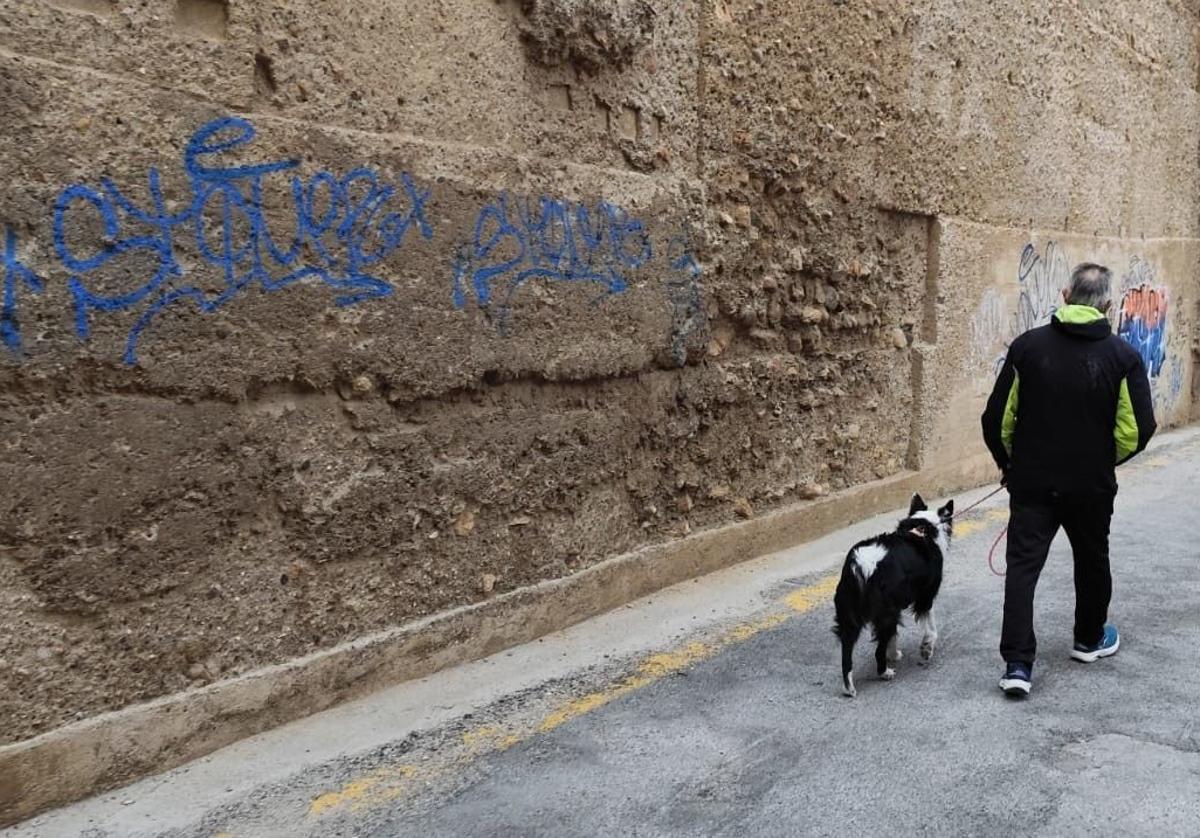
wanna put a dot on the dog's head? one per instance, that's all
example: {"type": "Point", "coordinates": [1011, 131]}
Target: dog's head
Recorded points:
{"type": "Point", "coordinates": [936, 526]}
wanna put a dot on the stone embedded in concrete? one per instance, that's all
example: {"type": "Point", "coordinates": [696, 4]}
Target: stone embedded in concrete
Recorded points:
{"type": "Point", "coordinates": [587, 34]}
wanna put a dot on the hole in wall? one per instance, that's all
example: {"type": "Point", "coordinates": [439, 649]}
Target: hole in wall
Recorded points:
{"type": "Point", "coordinates": [628, 120]}
{"type": "Point", "coordinates": [206, 18]}
{"type": "Point", "coordinates": [264, 75]}
{"type": "Point", "coordinates": [1196, 38]}
{"type": "Point", "coordinates": [558, 97]}
{"type": "Point", "coordinates": [600, 117]}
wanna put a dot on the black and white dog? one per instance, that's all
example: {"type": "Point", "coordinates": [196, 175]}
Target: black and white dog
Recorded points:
{"type": "Point", "coordinates": [886, 574]}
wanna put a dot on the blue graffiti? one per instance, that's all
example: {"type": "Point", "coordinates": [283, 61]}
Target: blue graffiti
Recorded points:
{"type": "Point", "coordinates": [519, 240]}
{"type": "Point", "coordinates": [123, 254]}
{"type": "Point", "coordinates": [16, 274]}
{"type": "Point", "coordinates": [1150, 343]}
{"type": "Point", "coordinates": [1143, 324]}
{"type": "Point", "coordinates": [342, 228]}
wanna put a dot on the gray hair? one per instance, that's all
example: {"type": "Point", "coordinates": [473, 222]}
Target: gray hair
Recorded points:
{"type": "Point", "coordinates": [1091, 285]}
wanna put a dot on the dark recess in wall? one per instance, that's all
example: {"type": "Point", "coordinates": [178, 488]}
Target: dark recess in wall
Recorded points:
{"type": "Point", "coordinates": [264, 75]}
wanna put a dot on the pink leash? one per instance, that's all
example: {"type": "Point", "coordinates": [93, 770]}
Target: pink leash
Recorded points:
{"type": "Point", "coordinates": [1003, 532]}
{"type": "Point", "coordinates": [992, 552]}
{"type": "Point", "coordinates": [986, 497]}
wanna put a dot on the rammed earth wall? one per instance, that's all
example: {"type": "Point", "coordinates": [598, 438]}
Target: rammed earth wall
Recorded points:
{"type": "Point", "coordinates": [321, 317]}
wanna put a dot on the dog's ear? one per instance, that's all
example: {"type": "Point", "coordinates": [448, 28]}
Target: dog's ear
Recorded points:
{"type": "Point", "coordinates": [917, 505]}
{"type": "Point", "coordinates": [946, 512]}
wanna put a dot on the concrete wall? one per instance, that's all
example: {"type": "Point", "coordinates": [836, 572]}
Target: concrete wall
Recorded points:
{"type": "Point", "coordinates": [474, 294]}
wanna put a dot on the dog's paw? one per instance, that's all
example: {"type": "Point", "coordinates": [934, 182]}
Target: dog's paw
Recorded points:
{"type": "Point", "coordinates": [848, 687]}
{"type": "Point", "coordinates": [887, 674]}
{"type": "Point", "coordinates": [927, 646]}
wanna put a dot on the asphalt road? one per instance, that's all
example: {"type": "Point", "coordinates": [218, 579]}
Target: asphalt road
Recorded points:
{"type": "Point", "coordinates": [737, 728]}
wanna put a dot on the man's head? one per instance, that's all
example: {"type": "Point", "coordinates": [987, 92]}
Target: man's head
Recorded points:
{"type": "Point", "coordinates": [1091, 285]}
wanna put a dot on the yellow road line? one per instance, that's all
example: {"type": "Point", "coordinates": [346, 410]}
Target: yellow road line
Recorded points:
{"type": "Point", "coordinates": [488, 738]}
{"type": "Point", "coordinates": [387, 783]}
{"type": "Point", "coordinates": [970, 526]}
{"type": "Point", "coordinates": [805, 599]}
{"type": "Point", "coordinates": [374, 786]}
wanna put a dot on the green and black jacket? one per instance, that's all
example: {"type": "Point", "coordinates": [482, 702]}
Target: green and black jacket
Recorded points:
{"type": "Point", "coordinates": [1071, 403]}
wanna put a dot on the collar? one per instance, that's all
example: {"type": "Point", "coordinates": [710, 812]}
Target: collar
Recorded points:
{"type": "Point", "coordinates": [1079, 315]}
{"type": "Point", "coordinates": [1082, 322]}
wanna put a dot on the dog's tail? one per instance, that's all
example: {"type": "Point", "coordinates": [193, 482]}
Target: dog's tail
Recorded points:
{"type": "Point", "coordinates": [850, 600]}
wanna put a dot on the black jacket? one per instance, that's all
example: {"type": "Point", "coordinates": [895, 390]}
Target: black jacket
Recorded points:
{"type": "Point", "coordinates": [1071, 403]}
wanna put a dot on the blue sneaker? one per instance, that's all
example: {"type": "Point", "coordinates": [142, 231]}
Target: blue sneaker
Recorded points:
{"type": "Point", "coordinates": [1108, 645]}
{"type": "Point", "coordinates": [1017, 680]}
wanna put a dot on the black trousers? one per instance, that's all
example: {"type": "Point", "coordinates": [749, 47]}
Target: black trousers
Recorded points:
{"type": "Point", "coordinates": [1032, 526]}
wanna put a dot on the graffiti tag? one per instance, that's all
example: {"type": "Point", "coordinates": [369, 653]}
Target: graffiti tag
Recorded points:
{"type": "Point", "coordinates": [342, 226]}
{"type": "Point", "coordinates": [517, 240]}
{"type": "Point", "coordinates": [339, 228]}
{"type": "Point", "coordinates": [1143, 323]}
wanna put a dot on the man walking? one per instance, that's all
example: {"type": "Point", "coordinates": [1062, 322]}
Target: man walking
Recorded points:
{"type": "Point", "coordinates": [1072, 402]}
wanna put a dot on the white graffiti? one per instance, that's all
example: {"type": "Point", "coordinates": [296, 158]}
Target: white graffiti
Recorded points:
{"type": "Point", "coordinates": [992, 329]}
{"type": "Point", "coordinates": [1140, 272]}
{"type": "Point", "coordinates": [1042, 278]}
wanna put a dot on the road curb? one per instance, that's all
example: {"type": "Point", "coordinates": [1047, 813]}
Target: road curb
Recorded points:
{"type": "Point", "coordinates": [74, 761]}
